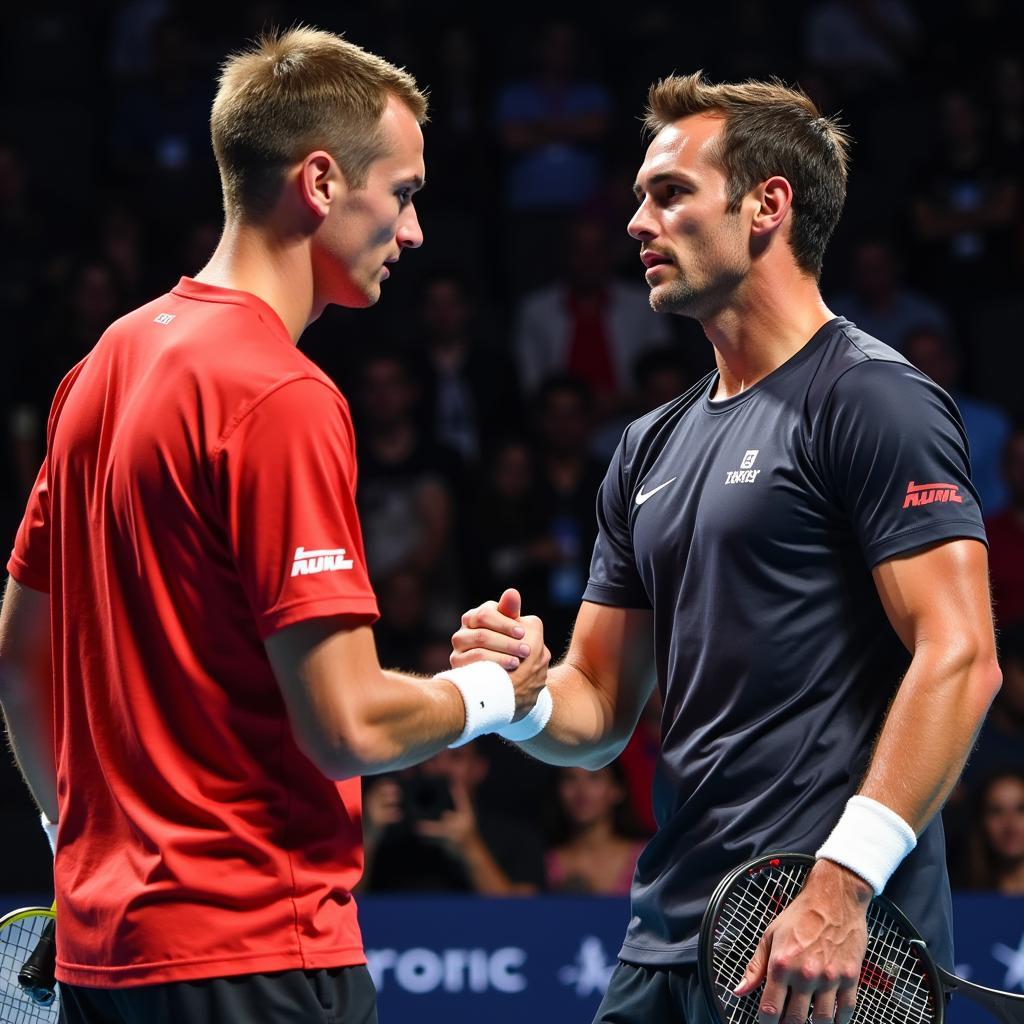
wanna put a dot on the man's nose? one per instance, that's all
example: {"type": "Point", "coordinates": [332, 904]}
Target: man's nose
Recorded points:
{"type": "Point", "coordinates": [641, 225]}
{"type": "Point", "coordinates": [410, 234]}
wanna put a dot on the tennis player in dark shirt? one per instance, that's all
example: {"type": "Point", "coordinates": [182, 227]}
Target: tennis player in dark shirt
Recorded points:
{"type": "Point", "coordinates": [798, 543]}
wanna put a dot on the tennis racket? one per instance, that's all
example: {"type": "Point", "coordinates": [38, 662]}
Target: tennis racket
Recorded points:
{"type": "Point", "coordinates": [900, 982]}
{"type": "Point", "coordinates": [28, 992]}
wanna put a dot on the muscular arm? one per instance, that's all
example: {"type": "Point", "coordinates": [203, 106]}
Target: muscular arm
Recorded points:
{"type": "Point", "coordinates": [938, 603]}
{"type": "Point", "coordinates": [26, 689]}
{"type": "Point", "coordinates": [598, 690]}
{"type": "Point", "coordinates": [351, 717]}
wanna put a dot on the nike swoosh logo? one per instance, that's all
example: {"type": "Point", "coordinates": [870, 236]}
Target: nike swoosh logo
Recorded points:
{"type": "Point", "coordinates": [641, 497]}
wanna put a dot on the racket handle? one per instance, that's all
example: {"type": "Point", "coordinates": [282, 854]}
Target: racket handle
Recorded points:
{"type": "Point", "coordinates": [37, 972]}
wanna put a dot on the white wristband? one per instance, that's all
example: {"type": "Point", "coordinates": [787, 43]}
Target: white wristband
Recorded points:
{"type": "Point", "coordinates": [50, 828]}
{"type": "Point", "coordinates": [870, 839]}
{"type": "Point", "coordinates": [532, 724]}
{"type": "Point", "coordinates": [488, 694]}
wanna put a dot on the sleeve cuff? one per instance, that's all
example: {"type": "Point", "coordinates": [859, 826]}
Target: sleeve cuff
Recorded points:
{"type": "Point", "coordinates": [21, 571]}
{"type": "Point", "coordinates": [363, 608]}
{"type": "Point", "coordinates": [909, 541]}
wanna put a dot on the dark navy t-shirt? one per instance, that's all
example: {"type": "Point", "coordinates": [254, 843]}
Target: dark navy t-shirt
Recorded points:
{"type": "Point", "coordinates": [751, 525]}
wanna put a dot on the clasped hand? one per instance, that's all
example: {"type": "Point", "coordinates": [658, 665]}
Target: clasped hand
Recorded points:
{"type": "Point", "coordinates": [496, 631]}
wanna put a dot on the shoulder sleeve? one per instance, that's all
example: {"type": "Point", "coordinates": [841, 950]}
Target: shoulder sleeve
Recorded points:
{"type": "Point", "coordinates": [29, 563]}
{"type": "Point", "coordinates": [614, 578]}
{"type": "Point", "coordinates": [285, 479]}
{"type": "Point", "coordinates": [894, 453]}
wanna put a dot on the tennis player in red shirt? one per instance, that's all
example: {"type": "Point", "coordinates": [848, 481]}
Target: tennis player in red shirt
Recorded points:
{"type": "Point", "coordinates": [188, 671]}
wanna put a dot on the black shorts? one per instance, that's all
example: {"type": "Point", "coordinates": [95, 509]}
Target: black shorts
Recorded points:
{"type": "Point", "coordinates": [338, 995]}
{"type": "Point", "coordinates": [650, 995]}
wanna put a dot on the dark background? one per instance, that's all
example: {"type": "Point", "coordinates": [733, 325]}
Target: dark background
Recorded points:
{"type": "Point", "coordinates": [109, 193]}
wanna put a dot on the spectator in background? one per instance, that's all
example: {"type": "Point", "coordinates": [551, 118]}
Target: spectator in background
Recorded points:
{"type": "Point", "coordinates": [120, 246]}
{"type": "Point", "coordinates": [429, 833]}
{"type": "Point", "coordinates": [965, 207]}
{"type": "Point", "coordinates": [861, 44]}
{"type": "Point", "coordinates": [988, 427]}
{"type": "Point", "coordinates": [640, 759]}
{"type": "Point", "coordinates": [590, 324]}
{"type": "Point", "coordinates": [23, 241]}
{"type": "Point", "coordinates": [660, 375]}
{"type": "Point", "coordinates": [160, 126]}
{"type": "Point", "coordinates": [91, 298]}
{"type": "Point", "coordinates": [1008, 106]}
{"type": "Point", "coordinates": [597, 839]}
{"type": "Point", "coordinates": [998, 748]}
{"type": "Point", "coordinates": [1000, 742]}
{"type": "Point", "coordinates": [508, 543]}
{"type": "Point", "coordinates": [1005, 532]}
{"type": "Point", "coordinates": [553, 127]}
{"type": "Point", "coordinates": [402, 629]}
{"type": "Point", "coordinates": [470, 388]}
{"type": "Point", "coordinates": [408, 486]}
{"type": "Point", "coordinates": [878, 300]}
{"type": "Point", "coordinates": [568, 480]}
{"type": "Point", "coordinates": [995, 849]}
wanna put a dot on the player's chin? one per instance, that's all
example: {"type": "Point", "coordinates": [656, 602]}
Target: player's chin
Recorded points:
{"type": "Point", "coordinates": [367, 295]}
{"type": "Point", "coordinates": [665, 299]}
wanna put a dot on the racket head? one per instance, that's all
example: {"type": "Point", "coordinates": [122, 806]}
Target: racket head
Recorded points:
{"type": "Point", "coordinates": [20, 930]}
{"type": "Point", "coordinates": [899, 981]}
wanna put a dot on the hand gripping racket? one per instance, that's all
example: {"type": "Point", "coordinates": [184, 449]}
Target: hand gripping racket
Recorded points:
{"type": "Point", "coordinates": [900, 982]}
{"type": "Point", "coordinates": [28, 992]}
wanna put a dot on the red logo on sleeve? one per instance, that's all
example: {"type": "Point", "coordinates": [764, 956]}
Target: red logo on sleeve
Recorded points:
{"type": "Point", "coordinates": [925, 494]}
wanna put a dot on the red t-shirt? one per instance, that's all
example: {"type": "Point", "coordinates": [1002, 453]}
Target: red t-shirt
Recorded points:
{"type": "Point", "coordinates": [197, 496]}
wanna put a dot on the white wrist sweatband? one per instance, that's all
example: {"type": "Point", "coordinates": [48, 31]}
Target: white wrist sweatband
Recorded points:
{"type": "Point", "coordinates": [870, 839]}
{"type": "Point", "coordinates": [488, 694]}
{"type": "Point", "coordinates": [532, 724]}
{"type": "Point", "coordinates": [50, 828]}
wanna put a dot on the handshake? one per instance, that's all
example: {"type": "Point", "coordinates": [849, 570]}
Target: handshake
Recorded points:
{"type": "Point", "coordinates": [500, 665]}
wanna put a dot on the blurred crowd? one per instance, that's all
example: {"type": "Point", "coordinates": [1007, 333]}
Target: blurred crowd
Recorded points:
{"type": "Point", "coordinates": [494, 379]}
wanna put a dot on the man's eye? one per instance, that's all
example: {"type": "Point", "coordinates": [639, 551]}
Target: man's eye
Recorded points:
{"type": "Point", "coordinates": [676, 190]}
{"type": "Point", "coordinates": [404, 196]}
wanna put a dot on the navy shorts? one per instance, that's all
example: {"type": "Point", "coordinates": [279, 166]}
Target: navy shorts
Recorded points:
{"type": "Point", "coordinates": [338, 995]}
{"type": "Point", "coordinates": [650, 995]}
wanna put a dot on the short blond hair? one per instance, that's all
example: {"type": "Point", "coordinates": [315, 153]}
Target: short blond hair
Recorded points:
{"type": "Point", "coordinates": [294, 92]}
{"type": "Point", "coordinates": [770, 128]}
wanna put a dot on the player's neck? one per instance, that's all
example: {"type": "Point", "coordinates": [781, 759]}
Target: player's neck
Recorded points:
{"type": "Point", "coordinates": [274, 269]}
{"type": "Point", "coordinates": [766, 322]}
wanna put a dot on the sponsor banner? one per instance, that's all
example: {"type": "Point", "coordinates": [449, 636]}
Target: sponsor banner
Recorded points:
{"type": "Point", "coordinates": [464, 960]}
{"type": "Point", "coordinates": [494, 960]}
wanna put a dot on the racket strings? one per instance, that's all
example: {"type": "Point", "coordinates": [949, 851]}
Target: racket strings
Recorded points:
{"type": "Point", "coordinates": [748, 911]}
{"type": "Point", "coordinates": [17, 943]}
{"type": "Point", "coordinates": [893, 989]}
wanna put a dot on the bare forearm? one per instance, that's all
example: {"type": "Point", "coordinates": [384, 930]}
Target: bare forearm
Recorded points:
{"type": "Point", "coordinates": [929, 732]}
{"type": "Point", "coordinates": [29, 718]}
{"type": "Point", "coordinates": [405, 721]}
{"type": "Point", "coordinates": [580, 731]}
{"type": "Point", "coordinates": [26, 689]}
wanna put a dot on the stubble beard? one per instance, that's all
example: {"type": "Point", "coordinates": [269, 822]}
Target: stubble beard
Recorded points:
{"type": "Point", "coordinates": [684, 298]}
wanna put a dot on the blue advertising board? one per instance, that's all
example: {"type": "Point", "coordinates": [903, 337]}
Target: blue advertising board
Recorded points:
{"type": "Point", "coordinates": [468, 960]}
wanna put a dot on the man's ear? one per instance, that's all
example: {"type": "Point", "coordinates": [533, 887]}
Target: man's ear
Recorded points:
{"type": "Point", "coordinates": [775, 199]}
{"type": "Point", "coordinates": [320, 182]}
